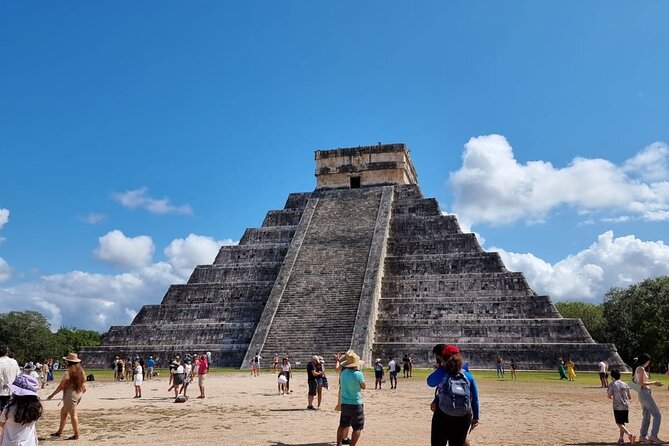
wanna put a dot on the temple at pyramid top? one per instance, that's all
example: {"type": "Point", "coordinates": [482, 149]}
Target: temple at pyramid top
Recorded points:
{"type": "Point", "coordinates": [383, 164]}
{"type": "Point", "coordinates": [366, 262]}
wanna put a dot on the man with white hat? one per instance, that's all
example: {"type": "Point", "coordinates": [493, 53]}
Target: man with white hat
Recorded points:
{"type": "Point", "coordinates": [9, 370]}
{"type": "Point", "coordinates": [352, 382]}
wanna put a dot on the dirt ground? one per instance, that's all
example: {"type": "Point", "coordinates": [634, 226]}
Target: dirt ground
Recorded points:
{"type": "Point", "coordinates": [244, 410]}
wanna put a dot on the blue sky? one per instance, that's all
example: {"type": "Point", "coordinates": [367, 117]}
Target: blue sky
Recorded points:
{"type": "Point", "coordinates": [135, 138]}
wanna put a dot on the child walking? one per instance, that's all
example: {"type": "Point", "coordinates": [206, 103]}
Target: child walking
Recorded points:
{"type": "Point", "coordinates": [619, 392]}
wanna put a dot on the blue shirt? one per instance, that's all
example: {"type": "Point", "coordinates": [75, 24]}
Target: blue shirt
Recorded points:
{"type": "Point", "coordinates": [150, 363]}
{"type": "Point", "coordinates": [350, 381]}
{"type": "Point", "coordinates": [437, 377]}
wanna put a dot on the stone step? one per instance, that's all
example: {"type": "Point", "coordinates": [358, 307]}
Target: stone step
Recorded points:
{"type": "Point", "coordinates": [486, 262]}
{"type": "Point", "coordinates": [297, 200]}
{"type": "Point", "coordinates": [441, 244]}
{"type": "Point", "coordinates": [283, 217]}
{"type": "Point", "coordinates": [218, 292]}
{"type": "Point", "coordinates": [268, 235]}
{"type": "Point", "coordinates": [251, 254]}
{"type": "Point", "coordinates": [239, 311]}
{"type": "Point", "coordinates": [464, 285]}
{"type": "Point", "coordinates": [411, 224]}
{"type": "Point", "coordinates": [527, 356]}
{"type": "Point", "coordinates": [222, 273]}
{"type": "Point", "coordinates": [479, 330]}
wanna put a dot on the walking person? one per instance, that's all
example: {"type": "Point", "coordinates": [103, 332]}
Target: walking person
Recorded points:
{"type": "Point", "coordinates": [456, 405]}
{"type": "Point", "coordinates": [352, 383]}
{"type": "Point", "coordinates": [150, 365]}
{"type": "Point", "coordinates": [619, 392]}
{"type": "Point", "coordinates": [255, 364]}
{"type": "Point", "coordinates": [393, 371]}
{"type": "Point", "coordinates": [604, 374]}
{"type": "Point", "coordinates": [9, 370]}
{"type": "Point", "coordinates": [285, 368]}
{"type": "Point", "coordinates": [314, 382]}
{"type": "Point", "coordinates": [17, 419]}
{"type": "Point", "coordinates": [500, 367]}
{"type": "Point", "coordinates": [513, 366]}
{"type": "Point", "coordinates": [203, 369]}
{"type": "Point", "coordinates": [73, 386]}
{"type": "Point", "coordinates": [138, 378]}
{"type": "Point", "coordinates": [378, 374]}
{"type": "Point", "coordinates": [570, 370]}
{"type": "Point", "coordinates": [188, 376]}
{"type": "Point", "coordinates": [275, 363]}
{"type": "Point", "coordinates": [650, 409]}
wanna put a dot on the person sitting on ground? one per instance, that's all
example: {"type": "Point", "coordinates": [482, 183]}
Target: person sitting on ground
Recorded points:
{"type": "Point", "coordinates": [17, 419]}
{"type": "Point", "coordinates": [619, 392]}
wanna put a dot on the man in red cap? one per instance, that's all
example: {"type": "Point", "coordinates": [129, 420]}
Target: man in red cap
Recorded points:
{"type": "Point", "coordinates": [456, 404]}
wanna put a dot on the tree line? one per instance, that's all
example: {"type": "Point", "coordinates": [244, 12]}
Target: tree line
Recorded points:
{"type": "Point", "coordinates": [29, 337]}
{"type": "Point", "coordinates": [635, 319]}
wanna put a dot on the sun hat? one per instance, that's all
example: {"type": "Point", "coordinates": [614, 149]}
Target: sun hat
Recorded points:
{"type": "Point", "coordinates": [450, 350]}
{"type": "Point", "coordinates": [24, 385]}
{"type": "Point", "coordinates": [72, 357]}
{"type": "Point", "coordinates": [29, 367]}
{"type": "Point", "coordinates": [351, 359]}
{"type": "Point", "coordinates": [315, 358]}
{"type": "Point", "coordinates": [378, 360]}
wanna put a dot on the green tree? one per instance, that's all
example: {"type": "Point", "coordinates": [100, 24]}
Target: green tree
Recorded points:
{"type": "Point", "coordinates": [636, 320]}
{"type": "Point", "coordinates": [69, 339]}
{"type": "Point", "coordinates": [591, 315]}
{"type": "Point", "coordinates": [28, 336]}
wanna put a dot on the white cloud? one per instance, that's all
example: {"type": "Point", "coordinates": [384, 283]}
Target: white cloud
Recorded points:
{"type": "Point", "coordinates": [96, 301]}
{"type": "Point", "coordinates": [185, 254]}
{"type": "Point", "coordinates": [609, 262]}
{"type": "Point", "coordinates": [493, 187]}
{"type": "Point", "coordinates": [138, 198]}
{"type": "Point", "coordinates": [134, 252]}
{"type": "Point", "coordinates": [4, 217]}
{"type": "Point", "coordinates": [5, 270]}
{"type": "Point", "coordinates": [93, 218]}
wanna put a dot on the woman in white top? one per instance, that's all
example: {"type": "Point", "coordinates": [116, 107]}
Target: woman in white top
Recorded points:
{"type": "Point", "coordinates": [650, 409]}
{"type": "Point", "coordinates": [138, 378]}
{"type": "Point", "coordinates": [19, 417]}
{"type": "Point", "coordinates": [285, 368]}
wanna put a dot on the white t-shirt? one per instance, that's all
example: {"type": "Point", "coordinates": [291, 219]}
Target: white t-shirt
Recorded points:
{"type": "Point", "coordinates": [393, 366]}
{"type": "Point", "coordinates": [619, 391]}
{"type": "Point", "coordinates": [9, 370]}
{"type": "Point", "coordinates": [138, 370]}
{"type": "Point", "coordinates": [15, 433]}
{"type": "Point", "coordinates": [602, 367]}
{"type": "Point", "coordinates": [285, 367]}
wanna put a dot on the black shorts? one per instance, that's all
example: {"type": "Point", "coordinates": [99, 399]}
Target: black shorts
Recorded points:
{"type": "Point", "coordinates": [312, 386]}
{"type": "Point", "coordinates": [352, 415]}
{"type": "Point", "coordinates": [621, 416]}
{"type": "Point", "coordinates": [603, 375]}
{"type": "Point", "coordinates": [378, 375]}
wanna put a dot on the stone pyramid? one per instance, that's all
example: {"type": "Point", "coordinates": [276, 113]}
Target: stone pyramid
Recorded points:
{"type": "Point", "coordinates": [364, 262]}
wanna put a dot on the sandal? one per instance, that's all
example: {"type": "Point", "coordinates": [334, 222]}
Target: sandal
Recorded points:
{"type": "Point", "coordinates": [56, 434]}
{"type": "Point", "coordinates": [73, 437]}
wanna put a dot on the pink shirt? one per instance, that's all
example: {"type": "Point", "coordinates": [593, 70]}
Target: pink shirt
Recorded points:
{"type": "Point", "coordinates": [202, 367]}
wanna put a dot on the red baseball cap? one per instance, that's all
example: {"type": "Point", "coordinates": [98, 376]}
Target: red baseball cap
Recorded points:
{"type": "Point", "coordinates": [450, 350]}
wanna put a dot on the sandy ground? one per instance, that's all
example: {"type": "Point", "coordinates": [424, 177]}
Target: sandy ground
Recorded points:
{"type": "Point", "coordinates": [243, 410]}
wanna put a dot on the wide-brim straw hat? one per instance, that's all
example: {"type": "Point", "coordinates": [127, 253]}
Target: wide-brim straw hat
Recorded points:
{"type": "Point", "coordinates": [72, 357]}
{"type": "Point", "coordinates": [351, 359]}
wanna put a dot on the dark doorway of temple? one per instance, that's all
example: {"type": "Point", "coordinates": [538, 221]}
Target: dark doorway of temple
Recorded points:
{"type": "Point", "coordinates": [355, 182]}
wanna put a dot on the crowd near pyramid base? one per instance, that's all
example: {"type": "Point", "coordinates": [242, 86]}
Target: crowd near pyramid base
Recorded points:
{"type": "Point", "coordinates": [366, 262]}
